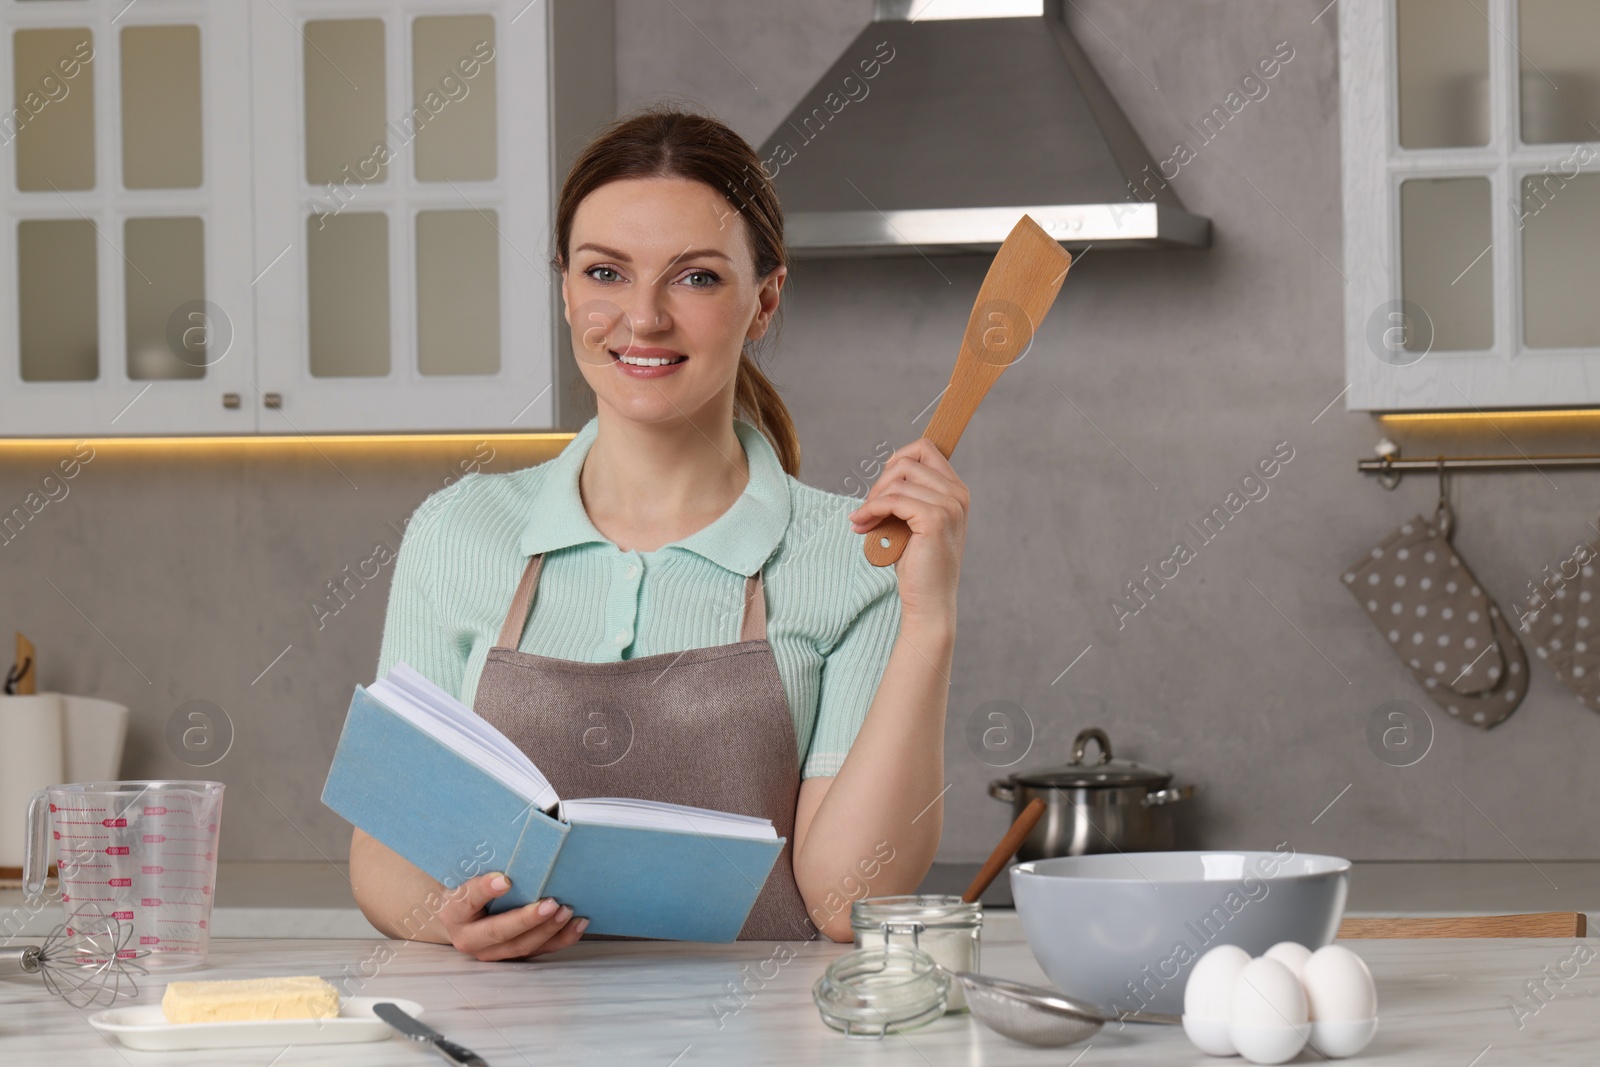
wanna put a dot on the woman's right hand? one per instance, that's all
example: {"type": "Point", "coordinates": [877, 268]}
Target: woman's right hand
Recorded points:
{"type": "Point", "coordinates": [531, 930]}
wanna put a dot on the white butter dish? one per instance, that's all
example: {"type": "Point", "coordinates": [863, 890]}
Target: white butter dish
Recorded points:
{"type": "Point", "coordinates": [145, 1026]}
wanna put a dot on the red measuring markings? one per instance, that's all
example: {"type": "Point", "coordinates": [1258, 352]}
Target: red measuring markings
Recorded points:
{"type": "Point", "coordinates": [149, 939]}
{"type": "Point", "coordinates": [116, 850]}
{"type": "Point", "coordinates": [114, 822]}
{"type": "Point", "coordinates": [151, 870]}
{"type": "Point", "coordinates": [154, 810]}
{"type": "Point", "coordinates": [154, 839]}
{"type": "Point", "coordinates": [150, 902]}
{"type": "Point", "coordinates": [119, 881]}
{"type": "Point", "coordinates": [122, 914]}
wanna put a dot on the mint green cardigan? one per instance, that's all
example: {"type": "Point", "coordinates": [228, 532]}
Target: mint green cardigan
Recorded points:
{"type": "Point", "coordinates": [832, 617]}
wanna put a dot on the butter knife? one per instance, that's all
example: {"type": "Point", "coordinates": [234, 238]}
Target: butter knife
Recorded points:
{"type": "Point", "coordinates": [420, 1031]}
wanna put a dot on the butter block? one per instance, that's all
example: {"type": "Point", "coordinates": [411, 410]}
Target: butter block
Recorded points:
{"type": "Point", "coordinates": [250, 999]}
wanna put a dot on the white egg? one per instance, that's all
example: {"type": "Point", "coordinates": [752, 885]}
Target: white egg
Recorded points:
{"type": "Point", "coordinates": [1208, 995]}
{"type": "Point", "coordinates": [1292, 955]}
{"type": "Point", "coordinates": [1209, 992]}
{"type": "Point", "coordinates": [1343, 1001]}
{"type": "Point", "coordinates": [1339, 988]}
{"type": "Point", "coordinates": [1268, 1019]}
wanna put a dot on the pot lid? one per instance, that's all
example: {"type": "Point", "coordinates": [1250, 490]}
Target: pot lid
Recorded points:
{"type": "Point", "coordinates": [1104, 773]}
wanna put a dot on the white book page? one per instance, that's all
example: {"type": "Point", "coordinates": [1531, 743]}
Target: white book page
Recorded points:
{"type": "Point", "coordinates": [415, 698]}
{"type": "Point", "coordinates": [659, 815]}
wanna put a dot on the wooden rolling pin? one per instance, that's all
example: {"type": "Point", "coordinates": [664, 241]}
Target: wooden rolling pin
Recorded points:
{"type": "Point", "coordinates": [1539, 924]}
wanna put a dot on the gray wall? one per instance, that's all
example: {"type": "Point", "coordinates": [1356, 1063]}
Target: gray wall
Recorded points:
{"type": "Point", "coordinates": [1158, 381]}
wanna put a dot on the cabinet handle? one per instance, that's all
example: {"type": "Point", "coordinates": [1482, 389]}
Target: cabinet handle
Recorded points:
{"type": "Point", "coordinates": [230, 400]}
{"type": "Point", "coordinates": [272, 400]}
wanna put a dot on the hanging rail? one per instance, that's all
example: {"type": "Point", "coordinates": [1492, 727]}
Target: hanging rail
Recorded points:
{"type": "Point", "coordinates": [1389, 466]}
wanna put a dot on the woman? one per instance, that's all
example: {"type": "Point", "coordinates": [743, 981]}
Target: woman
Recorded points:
{"type": "Point", "coordinates": [670, 528]}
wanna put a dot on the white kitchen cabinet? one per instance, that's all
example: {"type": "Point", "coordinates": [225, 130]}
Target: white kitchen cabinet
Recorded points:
{"type": "Point", "coordinates": [283, 216]}
{"type": "Point", "coordinates": [1471, 160]}
{"type": "Point", "coordinates": [126, 202]}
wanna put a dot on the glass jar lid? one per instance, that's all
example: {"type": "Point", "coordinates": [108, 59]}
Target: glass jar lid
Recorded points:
{"type": "Point", "coordinates": [919, 911]}
{"type": "Point", "coordinates": [1104, 773]}
{"type": "Point", "coordinates": [869, 991]}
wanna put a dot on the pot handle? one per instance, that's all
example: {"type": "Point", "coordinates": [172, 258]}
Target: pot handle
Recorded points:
{"type": "Point", "coordinates": [1002, 789]}
{"type": "Point", "coordinates": [1168, 796]}
{"type": "Point", "coordinates": [1080, 742]}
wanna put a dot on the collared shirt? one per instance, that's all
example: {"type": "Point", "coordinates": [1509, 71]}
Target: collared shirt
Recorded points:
{"type": "Point", "coordinates": [832, 617]}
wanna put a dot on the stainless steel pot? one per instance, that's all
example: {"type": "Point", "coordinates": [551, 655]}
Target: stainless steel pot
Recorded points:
{"type": "Point", "coordinates": [1108, 806]}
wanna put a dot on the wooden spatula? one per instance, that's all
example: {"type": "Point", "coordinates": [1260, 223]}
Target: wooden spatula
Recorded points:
{"type": "Point", "coordinates": [1016, 294]}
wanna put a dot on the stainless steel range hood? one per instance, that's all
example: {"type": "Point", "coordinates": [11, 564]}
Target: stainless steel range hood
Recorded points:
{"type": "Point", "coordinates": [946, 120]}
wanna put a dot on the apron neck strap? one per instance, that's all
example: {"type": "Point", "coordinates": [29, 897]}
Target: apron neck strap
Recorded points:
{"type": "Point", "coordinates": [752, 624]}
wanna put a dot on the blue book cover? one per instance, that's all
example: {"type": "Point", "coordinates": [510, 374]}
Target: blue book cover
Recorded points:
{"type": "Point", "coordinates": [454, 820]}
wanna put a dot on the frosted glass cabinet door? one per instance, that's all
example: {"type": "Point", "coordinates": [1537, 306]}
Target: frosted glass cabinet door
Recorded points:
{"type": "Point", "coordinates": [458, 142]}
{"type": "Point", "coordinates": [1446, 268]}
{"type": "Point", "coordinates": [402, 195]}
{"type": "Point", "coordinates": [125, 237]}
{"type": "Point", "coordinates": [1442, 51]}
{"type": "Point", "coordinates": [343, 77]}
{"type": "Point", "coordinates": [53, 115]}
{"type": "Point", "coordinates": [59, 325]}
{"type": "Point", "coordinates": [162, 139]}
{"type": "Point", "coordinates": [1470, 176]}
{"type": "Point", "coordinates": [1559, 238]}
{"type": "Point", "coordinates": [1559, 55]}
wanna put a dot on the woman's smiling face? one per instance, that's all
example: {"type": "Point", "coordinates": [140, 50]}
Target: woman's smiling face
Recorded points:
{"type": "Point", "coordinates": [661, 270]}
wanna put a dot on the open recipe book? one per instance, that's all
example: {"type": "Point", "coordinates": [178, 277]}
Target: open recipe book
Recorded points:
{"type": "Point", "coordinates": [426, 776]}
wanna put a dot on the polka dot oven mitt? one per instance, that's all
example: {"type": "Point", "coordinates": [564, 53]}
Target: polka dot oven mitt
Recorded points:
{"type": "Point", "coordinates": [1441, 624]}
{"type": "Point", "coordinates": [1561, 622]}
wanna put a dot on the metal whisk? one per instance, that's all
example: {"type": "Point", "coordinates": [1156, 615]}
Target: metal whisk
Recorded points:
{"type": "Point", "coordinates": [84, 964]}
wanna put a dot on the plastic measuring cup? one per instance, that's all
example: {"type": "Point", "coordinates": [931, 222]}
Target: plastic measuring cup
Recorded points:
{"type": "Point", "coordinates": [142, 852]}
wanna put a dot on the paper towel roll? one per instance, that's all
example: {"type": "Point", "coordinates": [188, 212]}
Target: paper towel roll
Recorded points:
{"type": "Point", "coordinates": [32, 756]}
{"type": "Point", "coordinates": [93, 732]}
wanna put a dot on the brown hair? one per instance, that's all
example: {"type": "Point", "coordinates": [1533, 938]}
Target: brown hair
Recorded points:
{"type": "Point", "coordinates": [666, 141]}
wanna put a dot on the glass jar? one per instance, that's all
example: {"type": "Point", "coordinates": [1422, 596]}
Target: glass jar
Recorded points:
{"type": "Point", "coordinates": [869, 991]}
{"type": "Point", "coordinates": [945, 927]}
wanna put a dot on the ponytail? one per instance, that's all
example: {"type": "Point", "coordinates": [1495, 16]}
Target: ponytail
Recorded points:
{"type": "Point", "coordinates": [756, 399]}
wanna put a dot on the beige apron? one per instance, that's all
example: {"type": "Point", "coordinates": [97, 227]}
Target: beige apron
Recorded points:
{"type": "Point", "coordinates": [709, 727]}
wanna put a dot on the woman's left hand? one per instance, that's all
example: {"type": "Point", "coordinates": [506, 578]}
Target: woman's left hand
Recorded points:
{"type": "Point", "coordinates": [919, 485]}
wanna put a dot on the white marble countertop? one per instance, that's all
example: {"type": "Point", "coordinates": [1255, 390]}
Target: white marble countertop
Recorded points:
{"type": "Point", "coordinates": [1441, 1002]}
{"type": "Point", "coordinates": [312, 900]}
